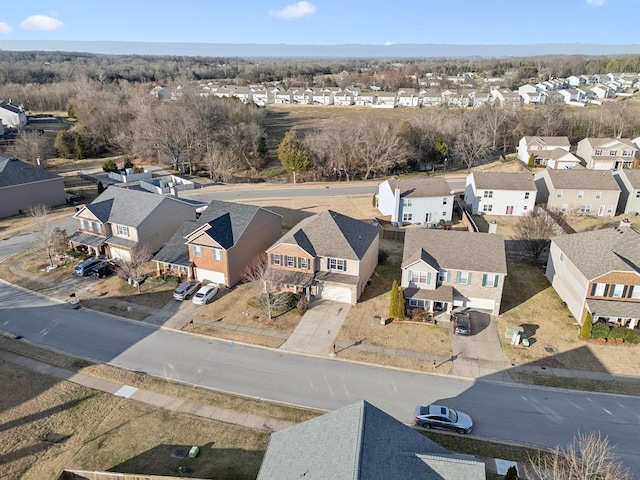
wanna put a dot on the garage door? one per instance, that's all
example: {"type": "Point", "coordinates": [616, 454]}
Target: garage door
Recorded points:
{"type": "Point", "coordinates": [335, 293]}
{"type": "Point", "coordinates": [209, 276]}
{"type": "Point", "coordinates": [481, 303]}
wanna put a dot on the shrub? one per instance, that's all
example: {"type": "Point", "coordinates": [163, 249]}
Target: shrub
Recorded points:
{"type": "Point", "coordinates": [417, 314]}
{"type": "Point", "coordinates": [586, 328]}
{"type": "Point", "coordinates": [137, 169]}
{"type": "Point", "coordinates": [100, 187]}
{"type": "Point", "coordinates": [303, 305]}
{"type": "Point", "coordinates": [109, 166]}
{"type": "Point", "coordinates": [631, 336]}
{"type": "Point", "coordinates": [600, 330]}
{"type": "Point", "coordinates": [382, 256]}
{"type": "Point", "coordinates": [128, 163]}
{"type": "Point", "coordinates": [512, 473]}
{"type": "Point", "coordinates": [374, 201]}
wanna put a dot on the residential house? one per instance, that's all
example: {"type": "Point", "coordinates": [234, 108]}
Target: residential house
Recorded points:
{"type": "Point", "coordinates": [284, 97]}
{"type": "Point", "coordinates": [302, 96]}
{"type": "Point", "coordinates": [418, 200]}
{"type": "Point", "coordinates": [573, 96]}
{"type": "Point", "coordinates": [534, 145]}
{"type": "Point", "coordinates": [629, 182]}
{"type": "Point", "coordinates": [408, 99]}
{"type": "Point", "coordinates": [444, 269]}
{"type": "Point", "coordinates": [598, 273]}
{"type": "Point", "coordinates": [607, 153]}
{"type": "Point", "coordinates": [224, 92]}
{"type": "Point", "coordinates": [121, 218]}
{"type": "Point", "coordinates": [329, 255]}
{"type": "Point", "coordinates": [13, 116]}
{"type": "Point", "coordinates": [262, 96]}
{"type": "Point", "coordinates": [500, 193]}
{"type": "Point", "coordinates": [505, 97]}
{"type": "Point", "coordinates": [324, 96]}
{"type": "Point", "coordinates": [220, 244]}
{"type": "Point", "coordinates": [576, 81]}
{"type": "Point", "coordinates": [602, 91]}
{"type": "Point", "coordinates": [366, 99]}
{"type": "Point", "coordinates": [344, 98]}
{"type": "Point", "coordinates": [386, 100]}
{"type": "Point", "coordinates": [459, 99]}
{"type": "Point", "coordinates": [23, 185]}
{"type": "Point", "coordinates": [244, 94]}
{"type": "Point", "coordinates": [361, 442]}
{"type": "Point", "coordinates": [430, 97]}
{"type": "Point", "coordinates": [578, 191]}
{"type": "Point", "coordinates": [161, 92]}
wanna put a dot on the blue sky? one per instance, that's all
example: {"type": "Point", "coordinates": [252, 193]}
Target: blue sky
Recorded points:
{"type": "Point", "coordinates": [326, 22]}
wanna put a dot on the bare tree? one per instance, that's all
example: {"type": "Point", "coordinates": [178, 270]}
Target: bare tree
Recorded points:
{"type": "Point", "coordinates": [589, 457]}
{"type": "Point", "coordinates": [263, 278]}
{"type": "Point", "coordinates": [535, 230]}
{"type": "Point", "coordinates": [31, 146]}
{"type": "Point", "coordinates": [377, 147]}
{"type": "Point", "coordinates": [46, 237]}
{"type": "Point", "coordinates": [132, 267]}
{"type": "Point", "coordinates": [495, 116]}
{"type": "Point", "coordinates": [472, 143]}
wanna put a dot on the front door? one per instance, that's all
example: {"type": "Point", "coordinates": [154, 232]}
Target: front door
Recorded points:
{"type": "Point", "coordinates": [601, 210]}
{"type": "Point", "coordinates": [510, 210]}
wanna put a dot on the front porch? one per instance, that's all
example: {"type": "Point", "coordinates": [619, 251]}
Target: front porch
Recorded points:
{"type": "Point", "coordinates": [437, 303]}
{"type": "Point", "coordinates": [615, 313]}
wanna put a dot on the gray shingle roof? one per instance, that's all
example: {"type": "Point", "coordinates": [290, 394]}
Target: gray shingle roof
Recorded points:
{"type": "Point", "coordinates": [599, 142]}
{"type": "Point", "coordinates": [448, 249]}
{"type": "Point", "coordinates": [597, 252]}
{"type": "Point", "coordinates": [175, 251]}
{"type": "Point", "coordinates": [361, 442]}
{"type": "Point", "coordinates": [228, 221]}
{"type": "Point", "coordinates": [504, 181]}
{"type": "Point", "coordinates": [422, 187]}
{"type": "Point", "coordinates": [16, 172]}
{"type": "Point", "coordinates": [332, 234]}
{"type": "Point", "coordinates": [634, 177]}
{"type": "Point", "coordinates": [613, 308]}
{"type": "Point", "coordinates": [583, 179]}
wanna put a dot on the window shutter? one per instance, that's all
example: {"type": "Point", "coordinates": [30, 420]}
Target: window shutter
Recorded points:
{"type": "Point", "coordinates": [593, 289]}
{"type": "Point", "coordinates": [458, 275]}
{"type": "Point", "coordinates": [299, 262]}
{"type": "Point", "coordinates": [624, 291]}
{"type": "Point", "coordinates": [495, 281]}
{"type": "Point", "coordinates": [484, 279]}
{"type": "Point", "coordinates": [328, 263]}
{"type": "Point", "coordinates": [428, 277]}
{"type": "Point", "coordinates": [469, 279]}
{"type": "Point", "coordinates": [344, 266]}
{"type": "Point", "coordinates": [272, 258]}
{"type": "Point", "coordinates": [448, 276]}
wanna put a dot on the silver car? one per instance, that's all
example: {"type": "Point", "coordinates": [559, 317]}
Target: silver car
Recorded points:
{"type": "Point", "coordinates": [185, 289]}
{"type": "Point", "coordinates": [439, 416]}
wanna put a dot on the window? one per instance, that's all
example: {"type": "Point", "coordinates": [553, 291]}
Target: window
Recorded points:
{"type": "Point", "coordinates": [613, 153]}
{"type": "Point", "coordinates": [216, 254]}
{"type": "Point", "coordinates": [524, 208]}
{"type": "Point", "coordinates": [197, 251]}
{"type": "Point", "coordinates": [443, 276]}
{"type": "Point", "coordinates": [463, 278]}
{"type": "Point", "coordinates": [416, 302]}
{"type": "Point", "coordinates": [487, 208]}
{"type": "Point", "coordinates": [598, 152]}
{"type": "Point", "coordinates": [526, 195]}
{"type": "Point", "coordinates": [444, 200]}
{"type": "Point", "coordinates": [289, 261]}
{"type": "Point", "coordinates": [580, 194]}
{"type": "Point", "coordinates": [407, 217]}
{"type": "Point", "coordinates": [490, 280]}
{"type": "Point", "coordinates": [276, 259]}
{"type": "Point", "coordinates": [561, 257]}
{"type": "Point", "coordinates": [303, 263]}
{"type": "Point", "coordinates": [488, 194]}
{"type": "Point", "coordinates": [122, 230]}
{"type": "Point", "coordinates": [419, 277]}
{"type": "Point", "coordinates": [564, 207]}
{"type": "Point", "coordinates": [617, 290]}
{"type": "Point", "coordinates": [638, 194]}
{"type": "Point", "coordinates": [559, 194]}
{"type": "Point", "coordinates": [585, 208]}
{"type": "Point", "coordinates": [635, 291]}
{"type": "Point", "coordinates": [337, 264]}
{"type": "Point", "coordinates": [598, 195]}
{"type": "Point", "coordinates": [444, 214]}
{"type": "Point", "coordinates": [627, 153]}
{"type": "Point", "coordinates": [610, 210]}
{"type": "Point", "coordinates": [598, 289]}
{"type": "Point", "coordinates": [406, 202]}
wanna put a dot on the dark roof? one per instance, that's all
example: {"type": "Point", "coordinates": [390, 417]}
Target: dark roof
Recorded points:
{"type": "Point", "coordinates": [11, 107]}
{"type": "Point", "coordinates": [450, 249]}
{"type": "Point", "coordinates": [16, 172]}
{"type": "Point", "coordinates": [175, 251]}
{"type": "Point", "coordinates": [361, 442]}
{"type": "Point", "coordinates": [332, 234]}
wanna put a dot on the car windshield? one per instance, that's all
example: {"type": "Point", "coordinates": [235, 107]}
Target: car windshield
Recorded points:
{"type": "Point", "coordinates": [453, 415]}
{"type": "Point", "coordinates": [181, 288]}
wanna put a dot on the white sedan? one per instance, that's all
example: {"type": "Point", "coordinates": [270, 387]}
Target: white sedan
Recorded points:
{"type": "Point", "coordinates": [205, 294]}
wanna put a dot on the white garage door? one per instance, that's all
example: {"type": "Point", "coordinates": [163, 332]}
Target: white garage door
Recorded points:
{"type": "Point", "coordinates": [482, 303]}
{"type": "Point", "coordinates": [335, 293]}
{"type": "Point", "coordinates": [209, 276]}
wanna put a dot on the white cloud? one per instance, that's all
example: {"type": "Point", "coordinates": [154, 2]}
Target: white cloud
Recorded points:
{"type": "Point", "coordinates": [41, 22]}
{"type": "Point", "coordinates": [5, 27]}
{"type": "Point", "coordinates": [295, 10]}
{"type": "Point", "coordinates": [388, 42]}
{"type": "Point", "coordinates": [595, 3]}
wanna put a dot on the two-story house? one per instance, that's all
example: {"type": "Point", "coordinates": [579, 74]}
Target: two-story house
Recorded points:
{"type": "Point", "coordinates": [416, 200]}
{"type": "Point", "coordinates": [13, 116]}
{"type": "Point", "coordinates": [607, 153]}
{"type": "Point", "coordinates": [121, 218]}
{"type": "Point", "coordinates": [578, 191]}
{"type": "Point", "coordinates": [444, 269]}
{"type": "Point", "coordinates": [327, 255]}
{"type": "Point", "coordinates": [500, 193]}
{"type": "Point", "coordinates": [598, 272]}
{"type": "Point", "coordinates": [629, 182]}
{"type": "Point", "coordinates": [541, 148]}
{"type": "Point", "coordinates": [220, 244]}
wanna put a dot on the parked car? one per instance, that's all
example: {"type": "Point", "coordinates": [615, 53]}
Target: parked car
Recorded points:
{"type": "Point", "coordinates": [461, 323]}
{"type": "Point", "coordinates": [205, 294]}
{"type": "Point", "coordinates": [185, 289]}
{"type": "Point", "coordinates": [439, 416]}
{"type": "Point", "coordinates": [84, 268]}
{"type": "Point", "coordinates": [103, 270]}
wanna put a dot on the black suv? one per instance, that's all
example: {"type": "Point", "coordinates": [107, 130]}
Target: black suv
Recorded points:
{"type": "Point", "coordinates": [103, 270]}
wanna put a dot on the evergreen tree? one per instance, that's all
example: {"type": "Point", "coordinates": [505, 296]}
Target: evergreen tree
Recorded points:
{"type": "Point", "coordinates": [396, 301]}
{"type": "Point", "coordinates": [586, 327]}
{"type": "Point", "coordinates": [100, 187]}
{"type": "Point", "coordinates": [128, 163]}
{"type": "Point", "coordinates": [109, 166]}
{"type": "Point", "coordinates": [62, 144]}
{"type": "Point", "coordinates": [532, 160]}
{"type": "Point", "coordinates": [292, 153]}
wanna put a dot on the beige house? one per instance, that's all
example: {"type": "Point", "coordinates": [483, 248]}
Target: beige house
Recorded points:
{"type": "Point", "coordinates": [551, 152]}
{"type": "Point", "coordinates": [444, 269]}
{"type": "Point", "coordinates": [579, 191]}
{"type": "Point", "coordinates": [607, 153]}
{"type": "Point", "coordinates": [598, 272]}
{"type": "Point", "coordinates": [328, 255]}
{"type": "Point", "coordinates": [121, 218]}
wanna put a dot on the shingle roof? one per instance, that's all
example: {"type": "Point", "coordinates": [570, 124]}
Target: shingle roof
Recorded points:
{"type": "Point", "coordinates": [361, 442]}
{"type": "Point", "coordinates": [448, 249]}
{"type": "Point", "coordinates": [332, 234]}
{"type": "Point", "coordinates": [422, 187]}
{"type": "Point", "coordinates": [600, 142]}
{"type": "Point", "coordinates": [504, 181]}
{"type": "Point", "coordinates": [175, 251]}
{"type": "Point", "coordinates": [10, 107]}
{"type": "Point", "coordinates": [634, 177]}
{"type": "Point", "coordinates": [597, 252]}
{"type": "Point", "coordinates": [16, 172]}
{"type": "Point", "coordinates": [583, 179]}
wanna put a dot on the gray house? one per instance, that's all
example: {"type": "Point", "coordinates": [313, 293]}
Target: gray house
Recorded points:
{"type": "Point", "coordinates": [361, 442]}
{"type": "Point", "coordinates": [23, 185]}
{"type": "Point", "coordinates": [629, 182]}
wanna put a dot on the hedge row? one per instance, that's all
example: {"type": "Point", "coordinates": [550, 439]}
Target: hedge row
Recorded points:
{"type": "Point", "coordinates": [602, 330]}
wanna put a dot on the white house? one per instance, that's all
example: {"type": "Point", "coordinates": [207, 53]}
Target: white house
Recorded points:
{"type": "Point", "coordinates": [13, 116]}
{"type": "Point", "coordinates": [534, 145]}
{"type": "Point", "coordinates": [500, 193]}
{"type": "Point", "coordinates": [420, 200]}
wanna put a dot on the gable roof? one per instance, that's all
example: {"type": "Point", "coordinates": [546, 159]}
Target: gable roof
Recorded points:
{"type": "Point", "coordinates": [449, 249]}
{"type": "Point", "coordinates": [125, 206]}
{"type": "Point", "coordinates": [598, 252]}
{"type": "Point", "coordinates": [558, 141]}
{"type": "Point", "coordinates": [11, 107]}
{"type": "Point", "coordinates": [608, 142]}
{"type": "Point", "coordinates": [331, 234]}
{"type": "Point", "coordinates": [361, 441]}
{"type": "Point", "coordinates": [633, 176]}
{"type": "Point", "coordinates": [16, 172]}
{"type": "Point", "coordinates": [582, 179]}
{"type": "Point", "coordinates": [422, 187]}
{"type": "Point", "coordinates": [504, 181]}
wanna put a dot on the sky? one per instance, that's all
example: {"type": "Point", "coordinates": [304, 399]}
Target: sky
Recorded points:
{"type": "Point", "coordinates": [325, 22]}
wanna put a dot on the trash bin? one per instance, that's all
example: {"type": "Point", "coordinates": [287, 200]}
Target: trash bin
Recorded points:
{"type": "Point", "coordinates": [193, 453]}
{"type": "Point", "coordinates": [383, 321]}
{"type": "Point", "coordinates": [524, 339]}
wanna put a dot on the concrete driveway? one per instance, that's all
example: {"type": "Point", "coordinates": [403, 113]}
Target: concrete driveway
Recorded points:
{"type": "Point", "coordinates": [318, 328]}
{"type": "Point", "coordinates": [479, 354]}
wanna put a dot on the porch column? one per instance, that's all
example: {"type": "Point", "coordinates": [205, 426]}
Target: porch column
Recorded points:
{"type": "Point", "coordinates": [633, 322]}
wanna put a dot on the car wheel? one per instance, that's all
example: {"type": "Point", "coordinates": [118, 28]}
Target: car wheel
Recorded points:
{"type": "Point", "coordinates": [461, 431]}
{"type": "Point", "coordinates": [426, 425]}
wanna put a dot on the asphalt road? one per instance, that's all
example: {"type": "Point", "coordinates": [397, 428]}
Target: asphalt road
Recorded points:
{"type": "Point", "coordinates": [532, 415]}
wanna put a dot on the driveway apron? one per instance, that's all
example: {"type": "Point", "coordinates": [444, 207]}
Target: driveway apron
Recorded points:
{"type": "Point", "coordinates": [317, 330]}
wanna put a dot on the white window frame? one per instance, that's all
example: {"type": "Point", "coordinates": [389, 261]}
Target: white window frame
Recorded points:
{"type": "Point", "coordinates": [407, 217]}
{"type": "Point", "coordinates": [406, 202]}
{"type": "Point", "coordinates": [337, 264]}
{"type": "Point", "coordinates": [289, 261]}
{"type": "Point", "coordinates": [581, 194]}
{"type": "Point", "coordinates": [635, 291]}
{"type": "Point", "coordinates": [487, 208]}
{"type": "Point", "coordinates": [197, 251]}
{"type": "Point", "coordinates": [598, 195]}
{"type": "Point", "coordinates": [585, 209]}
{"type": "Point", "coordinates": [613, 153]}
{"type": "Point", "coordinates": [598, 152]}
{"type": "Point", "coordinates": [618, 290]}
{"type": "Point", "coordinates": [276, 259]}
{"type": "Point", "coordinates": [600, 288]}
{"type": "Point", "coordinates": [488, 194]}
{"type": "Point", "coordinates": [559, 193]}
{"type": "Point", "coordinates": [122, 230]}
{"type": "Point", "coordinates": [216, 253]}
{"type": "Point", "coordinates": [464, 277]}
{"type": "Point", "coordinates": [416, 302]}
{"type": "Point", "coordinates": [444, 200]}
{"type": "Point", "coordinates": [304, 263]}
{"type": "Point", "coordinates": [526, 195]}
{"type": "Point", "coordinates": [490, 280]}
{"type": "Point", "coordinates": [417, 276]}
{"type": "Point", "coordinates": [627, 153]}
{"type": "Point", "coordinates": [443, 275]}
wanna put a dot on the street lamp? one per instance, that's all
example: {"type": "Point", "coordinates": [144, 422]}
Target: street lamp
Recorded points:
{"type": "Point", "coordinates": [445, 166]}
